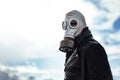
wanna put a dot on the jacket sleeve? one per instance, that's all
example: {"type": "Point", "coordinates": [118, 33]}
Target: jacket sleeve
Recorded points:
{"type": "Point", "coordinates": [97, 63]}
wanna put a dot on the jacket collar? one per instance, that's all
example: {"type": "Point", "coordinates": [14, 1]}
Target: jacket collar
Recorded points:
{"type": "Point", "coordinates": [82, 38]}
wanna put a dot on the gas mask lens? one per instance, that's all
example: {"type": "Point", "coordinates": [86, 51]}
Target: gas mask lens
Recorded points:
{"type": "Point", "coordinates": [73, 23]}
{"type": "Point", "coordinates": [64, 25]}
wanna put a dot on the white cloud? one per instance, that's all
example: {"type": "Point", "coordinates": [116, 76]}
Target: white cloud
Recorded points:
{"type": "Point", "coordinates": [113, 49]}
{"type": "Point", "coordinates": [111, 5]}
{"type": "Point", "coordinates": [24, 50]}
{"type": "Point", "coordinates": [115, 36]}
{"type": "Point", "coordinates": [23, 72]}
{"type": "Point", "coordinates": [111, 15]}
{"type": "Point", "coordinates": [112, 57]}
{"type": "Point", "coordinates": [31, 29]}
{"type": "Point", "coordinates": [116, 71]}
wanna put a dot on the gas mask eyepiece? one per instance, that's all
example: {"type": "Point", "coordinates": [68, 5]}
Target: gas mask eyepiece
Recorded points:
{"type": "Point", "coordinates": [71, 24]}
{"type": "Point", "coordinates": [64, 25]}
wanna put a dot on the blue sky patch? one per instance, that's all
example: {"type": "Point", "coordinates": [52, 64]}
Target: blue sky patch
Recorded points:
{"type": "Point", "coordinates": [116, 24]}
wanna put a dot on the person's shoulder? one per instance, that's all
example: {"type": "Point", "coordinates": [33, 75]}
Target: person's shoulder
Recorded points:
{"type": "Point", "coordinates": [93, 44]}
{"type": "Point", "coordinates": [95, 48]}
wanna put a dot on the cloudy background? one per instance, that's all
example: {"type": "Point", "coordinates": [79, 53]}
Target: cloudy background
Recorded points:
{"type": "Point", "coordinates": [30, 32]}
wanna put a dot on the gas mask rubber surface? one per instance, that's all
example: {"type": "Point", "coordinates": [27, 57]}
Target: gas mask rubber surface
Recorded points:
{"type": "Point", "coordinates": [73, 25]}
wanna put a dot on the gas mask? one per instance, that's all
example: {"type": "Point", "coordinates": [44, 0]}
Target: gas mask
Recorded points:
{"type": "Point", "coordinates": [73, 25]}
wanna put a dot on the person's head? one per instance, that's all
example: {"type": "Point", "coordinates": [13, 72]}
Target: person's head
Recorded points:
{"type": "Point", "coordinates": [73, 25]}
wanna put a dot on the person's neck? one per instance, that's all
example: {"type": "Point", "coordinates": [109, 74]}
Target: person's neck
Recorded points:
{"type": "Point", "coordinates": [79, 31]}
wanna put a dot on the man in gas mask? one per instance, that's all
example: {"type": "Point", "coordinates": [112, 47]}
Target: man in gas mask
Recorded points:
{"type": "Point", "coordinates": [86, 59]}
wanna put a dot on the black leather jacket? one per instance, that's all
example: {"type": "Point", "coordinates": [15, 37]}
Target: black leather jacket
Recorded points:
{"type": "Point", "coordinates": [88, 61]}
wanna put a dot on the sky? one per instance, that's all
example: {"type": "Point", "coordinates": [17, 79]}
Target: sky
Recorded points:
{"type": "Point", "coordinates": [31, 31]}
